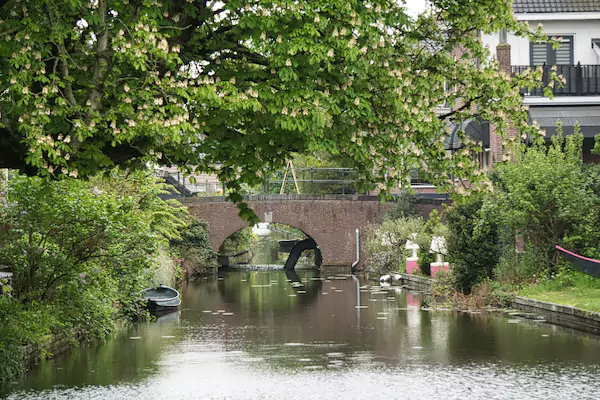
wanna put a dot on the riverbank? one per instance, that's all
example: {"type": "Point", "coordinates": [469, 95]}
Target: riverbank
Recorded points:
{"type": "Point", "coordinates": [573, 289]}
{"type": "Point", "coordinates": [80, 254]}
{"type": "Point", "coordinates": [564, 314]}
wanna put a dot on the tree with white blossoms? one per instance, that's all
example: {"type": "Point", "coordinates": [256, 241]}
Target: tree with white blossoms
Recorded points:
{"type": "Point", "coordinates": [90, 85]}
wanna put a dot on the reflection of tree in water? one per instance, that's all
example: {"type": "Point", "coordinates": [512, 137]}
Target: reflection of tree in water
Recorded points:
{"type": "Point", "coordinates": [263, 241]}
{"type": "Point", "coordinates": [114, 361]}
{"type": "Point", "coordinates": [269, 292]}
{"type": "Point", "coordinates": [266, 251]}
{"type": "Point", "coordinates": [481, 337]}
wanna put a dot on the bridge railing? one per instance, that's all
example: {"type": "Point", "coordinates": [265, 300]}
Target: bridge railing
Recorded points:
{"type": "Point", "coordinates": [308, 181]}
{"type": "Point", "coordinates": [313, 181]}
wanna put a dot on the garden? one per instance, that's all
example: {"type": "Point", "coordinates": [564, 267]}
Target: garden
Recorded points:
{"type": "Point", "coordinates": [501, 241]}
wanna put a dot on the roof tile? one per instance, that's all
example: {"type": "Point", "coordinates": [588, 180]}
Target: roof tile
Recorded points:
{"type": "Point", "coordinates": [546, 6]}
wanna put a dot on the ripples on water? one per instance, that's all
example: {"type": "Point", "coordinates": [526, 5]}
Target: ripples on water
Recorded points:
{"type": "Point", "coordinates": [259, 335]}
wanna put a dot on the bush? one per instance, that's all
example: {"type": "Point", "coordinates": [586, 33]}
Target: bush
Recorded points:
{"type": "Point", "coordinates": [194, 247]}
{"type": "Point", "coordinates": [543, 196]}
{"type": "Point", "coordinates": [584, 238]}
{"type": "Point", "coordinates": [23, 328]}
{"type": "Point", "coordinates": [442, 289]}
{"type": "Point", "coordinates": [425, 260]}
{"type": "Point", "coordinates": [519, 268]}
{"type": "Point", "coordinates": [432, 227]}
{"type": "Point", "coordinates": [473, 248]}
{"type": "Point", "coordinates": [81, 253]}
{"type": "Point", "coordinates": [385, 243]}
{"type": "Point", "coordinates": [484, 294]}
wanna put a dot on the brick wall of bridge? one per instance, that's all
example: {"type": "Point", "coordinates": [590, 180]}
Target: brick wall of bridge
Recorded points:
{"type": "Point", "coordinates": [330, 220]}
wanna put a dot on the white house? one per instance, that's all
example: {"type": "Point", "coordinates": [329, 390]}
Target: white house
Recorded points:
{"type": "Point", "coordinates": [577, 22]}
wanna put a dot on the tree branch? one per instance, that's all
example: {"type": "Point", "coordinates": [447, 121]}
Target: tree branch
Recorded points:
{"type": "Point", "coordinates": [102, 61]}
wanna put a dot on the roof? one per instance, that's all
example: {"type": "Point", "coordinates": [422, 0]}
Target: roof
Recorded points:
{"type": "Point", "coordinates": [554, 6]}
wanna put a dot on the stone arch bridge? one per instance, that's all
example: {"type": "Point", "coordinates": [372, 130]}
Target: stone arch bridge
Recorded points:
{"type": "Point", "coordinates": [331, 220]}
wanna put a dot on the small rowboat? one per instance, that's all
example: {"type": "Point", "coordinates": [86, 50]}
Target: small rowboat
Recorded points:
{"type": "Point", "coordinates": [162, 299]}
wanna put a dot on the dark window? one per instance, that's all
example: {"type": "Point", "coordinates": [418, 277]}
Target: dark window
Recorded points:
{"type": "Point", "coordinates": [544, 53]}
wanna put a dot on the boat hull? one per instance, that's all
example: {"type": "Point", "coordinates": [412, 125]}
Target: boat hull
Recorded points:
{"type": "Point", "coordinates": [587, 265]}
{"type": "Point", "coordinates": [162, 299]}
{"type": "Point", "coordinates": [164, 306]}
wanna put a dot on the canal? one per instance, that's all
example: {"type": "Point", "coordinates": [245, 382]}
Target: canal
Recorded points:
{"type": "Point", "coordinates": [311, 335]}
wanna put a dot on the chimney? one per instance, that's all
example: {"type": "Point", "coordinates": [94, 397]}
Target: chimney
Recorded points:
{"type": "Point", "coordinates": [503, 53]}
{"type": "Point", "coordinates": [503, 57]}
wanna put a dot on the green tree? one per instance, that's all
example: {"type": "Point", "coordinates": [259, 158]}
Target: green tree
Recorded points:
{"type": "Point", "coordinates": [81, 248]}
{"type": "Point", "coordinates": [90, 84]}
{"type": "Point", "coordinates": [195, 250]}
{"type": "Point", "coordinates": [473, 242]}
{"type": "Point", "coordinates": [543, 196]}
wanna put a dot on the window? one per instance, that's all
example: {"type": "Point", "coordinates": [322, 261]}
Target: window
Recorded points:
{"type": "Point", "coordinates": [544, 53]}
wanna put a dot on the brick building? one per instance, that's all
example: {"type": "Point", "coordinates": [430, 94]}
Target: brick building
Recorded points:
{"type": "Point", "coordinates": [577, 58]}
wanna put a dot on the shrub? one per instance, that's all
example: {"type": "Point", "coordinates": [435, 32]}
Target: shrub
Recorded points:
{"type": "Point", "coordinates": [385, 243]}
{"type": "Point", "coordinates": [81, 252]}
{"type": "Point", "coordinates": [519, 268]}
{"type": "Point", "coordinates": [442, 289]}
{"type": "Point", "coordinates": [20, 326]}
{"type": "Point", "coordinates": [195, 249]}
{"type": "Point", "coordinates": [473, 248]}
{"type": "Point", "coordinates": [432, 227]}
{"type": "Point", "coordinates": [584, 237]}
{"type": "Point", "coordinates": [484, 294]}
{"type": "Point", "coordinates": [543, 196]}
{"type": "Point", "coordinates": [404, 206]}
{"type": "Point", "coordinates": [425, 260]}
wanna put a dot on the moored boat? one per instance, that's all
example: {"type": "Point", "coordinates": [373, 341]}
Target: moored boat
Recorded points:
{"type": "Point", "coordinates": [162, 299]}
{"type": "Point", "coordinates": [587, 265]}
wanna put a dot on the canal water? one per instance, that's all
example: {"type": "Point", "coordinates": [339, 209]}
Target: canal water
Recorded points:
{"type": "Point", "coordinates": [272, 335]}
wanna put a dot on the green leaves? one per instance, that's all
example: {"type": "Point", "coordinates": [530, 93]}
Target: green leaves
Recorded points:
{"type": "Point", "coordinates": [248, 83]}
{"type": "Point", "coordinates": [473, 241]}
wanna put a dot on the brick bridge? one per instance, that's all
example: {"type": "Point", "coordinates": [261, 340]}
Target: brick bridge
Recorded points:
{"type": "Point", "coordinates": [331, 220]}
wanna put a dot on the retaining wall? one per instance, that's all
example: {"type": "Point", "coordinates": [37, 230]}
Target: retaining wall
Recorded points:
{"type": "Point", "coordinates": [415, 282]}
{"type": "Point", "coordinates": [571, 317]}
{"type": "Point", "coordinates": [587, 321]}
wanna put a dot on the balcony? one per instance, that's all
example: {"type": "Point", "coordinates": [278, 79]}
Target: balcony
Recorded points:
{"type": "Point", "coordinates": [581, 80]}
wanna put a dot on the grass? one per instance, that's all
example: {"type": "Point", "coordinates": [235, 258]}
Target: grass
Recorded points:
{"type": "Point", "coordinates": [569, 287]}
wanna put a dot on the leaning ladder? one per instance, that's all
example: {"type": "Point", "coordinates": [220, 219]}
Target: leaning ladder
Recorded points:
{"type": "Point", "coordinates": [289, 166]}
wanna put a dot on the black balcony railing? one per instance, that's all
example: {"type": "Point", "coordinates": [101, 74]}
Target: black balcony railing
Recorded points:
{"type": "Point", "coordinates": [581, 80]}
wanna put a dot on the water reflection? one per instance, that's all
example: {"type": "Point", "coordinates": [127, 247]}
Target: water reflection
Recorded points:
{"type": "Point", "coordinates": [266, 248]}
{"type": "Point", "coordinates": [257, 335]}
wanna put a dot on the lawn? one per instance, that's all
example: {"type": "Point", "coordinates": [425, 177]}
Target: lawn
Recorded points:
{"type": "Point", "coordinates": [571, 288]}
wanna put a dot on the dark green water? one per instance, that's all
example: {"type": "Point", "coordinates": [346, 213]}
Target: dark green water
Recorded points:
{"type": "Point", "coordinates": [256, 335]}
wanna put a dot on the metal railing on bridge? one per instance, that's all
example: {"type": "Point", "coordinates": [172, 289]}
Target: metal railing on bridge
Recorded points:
{"type": "Point", "coordinates": [307, 181]}
{"type": "Point", "coordinates": [313, 181]}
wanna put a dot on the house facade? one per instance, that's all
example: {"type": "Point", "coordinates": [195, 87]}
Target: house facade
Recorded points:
{"type": "Point", "coordinates": [577, 58]}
